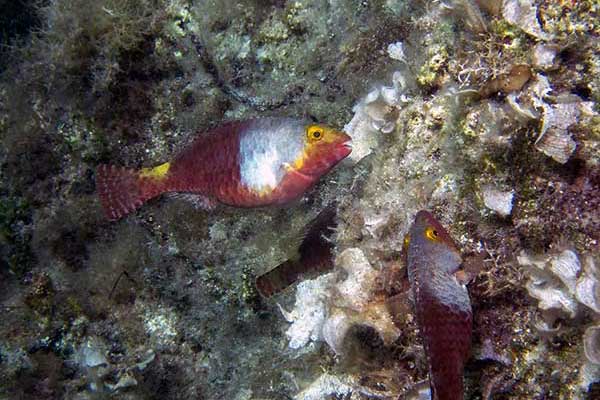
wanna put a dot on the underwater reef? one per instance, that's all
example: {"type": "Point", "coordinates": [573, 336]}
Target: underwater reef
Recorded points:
{"type": "Point", "coordinates": [486, 113]}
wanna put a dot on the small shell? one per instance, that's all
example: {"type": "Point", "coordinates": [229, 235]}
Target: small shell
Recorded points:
{"type": "Point", "coordinates": [378, 124]}
{"type": "Point", "coordinates": [399, 80]}
{"type": "Point", "coordinates": [396, 51]}
{"type": "Point", "coordinates": [512, 81]}
{"type": "Point", "coordinates": [552, 298]}
{"type": "Point", "coordinates": [420, 391]}
{"type": "Point", "coordinates": [540, 88]}
{"type": "Point", "coordinates": [589, 373]}
{"type": "Point", "coordinates": [560, 116]}
{"type": "Point", "coordinates": [327, 386]}
{"type": "Point", "coordinates": [543, 56]}
{"type": "Point", "coordinates": [557, 144]}
{"type": "Point", "coordinates": [470, 13]}
{"type": "Point", "coordinates": [544, 328]}
{"type": "Point", "coordinates": [372, 96]}
{"type": "Point", "coordinates": [492, 7]}
{"type": "Point", "coordinates": [587, 290]}
{"type": "Point", "coordinates": [526, 113]}
{"type": "Point", "coordinates": [364, 136]}
{"type": "Point", "coordinates": [554, 139]}
{"type": "Point", "coordinates": [390, 95]}
{"type": "Point", "coordinates": [375, 222]}
{"type": "Point", "coordinates": [388, 127]}
{"type": "Point", "coordinates": [566, 267]}
{"type": "Point", "coordinates": [588, 293]}
{"type": "Point", "coordinates": [591, 344]}
{"type": "Point", "coordinates": [498, 201]}
{"type": "Point", "coordinates": [92, 353]}
{"type": "Point", "coordinates": [525, 259]}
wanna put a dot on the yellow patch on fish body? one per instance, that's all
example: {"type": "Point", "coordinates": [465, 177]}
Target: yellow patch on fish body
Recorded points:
{"type": "Point", "coordinates": [158, 172]}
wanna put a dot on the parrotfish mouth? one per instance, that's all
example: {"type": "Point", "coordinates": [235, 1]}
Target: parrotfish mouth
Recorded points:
{"type": "Point", "coordinates": [346, 149]}
{"type": "Point", "coordinates": [345, 146]}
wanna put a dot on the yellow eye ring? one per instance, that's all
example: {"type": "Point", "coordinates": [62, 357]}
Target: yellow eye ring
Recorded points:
{"type": "Point", "coordinates": [431, 234]}
{"type": "Point", "coordinates": [314, 133]}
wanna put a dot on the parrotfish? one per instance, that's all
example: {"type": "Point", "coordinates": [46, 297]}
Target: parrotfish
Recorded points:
{"type": "Point", "coordinates": [441, 303]}
{"type": "Point", "coordinates": [315, 255]}
{"type": "Point", "coordinates": [253, 163]}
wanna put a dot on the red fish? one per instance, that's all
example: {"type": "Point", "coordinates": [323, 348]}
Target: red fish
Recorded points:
{"type": "Point", "coordinates": [442, 304]}
{"type": "Point", "coordinates": [252, 163]}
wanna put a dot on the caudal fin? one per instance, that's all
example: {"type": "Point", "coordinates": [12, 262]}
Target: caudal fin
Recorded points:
{"type": "Point", "coordinates": [123, 190]}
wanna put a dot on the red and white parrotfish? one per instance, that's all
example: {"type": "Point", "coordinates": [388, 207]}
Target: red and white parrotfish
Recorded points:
{"type": "Point", "coordinates": [253, 163]}
{"type": "Point", "coordinates": [441, 302]}
{"type": "Point", "coordinates": [315, 255]}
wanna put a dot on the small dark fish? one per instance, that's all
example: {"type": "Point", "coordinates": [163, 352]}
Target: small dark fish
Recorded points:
{"type": "Point", "coordinates": [315, 255]}
{"type": "Point", "coordinates": [442, 304]}
{"type": "Point", "coordinates": [254, 163]}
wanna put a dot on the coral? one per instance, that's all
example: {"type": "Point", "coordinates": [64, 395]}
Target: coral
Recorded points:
{"type": "Point", "coordinates": [565, 289]}
{"type": "Point", "coordinates": [553, 282]}
{"type": "Point", "coordinates": [308, 315]}
{"type": "Point", "coordinates": [327, 308]}
{"type": "Point", "coordinates": [554, 139]}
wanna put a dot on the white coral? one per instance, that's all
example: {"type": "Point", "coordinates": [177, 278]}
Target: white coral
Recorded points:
{"type": "Point", "coordinates": [554, 139]}
{"type": "Point", "coordinates": [590, 372]}
{"type": "Point", "coordinates": [376, 112]}
{"type": "Point", "coordinates": [497, 200]}
{"type": "Point", "coordinates": [564, 282]}
{"type": "Point", "coordinates": [326, 308]}
{"type": "Point", "coordinates": [554, 280]}
{"type": "Point", "coordinates": [356, 289]}
{"type": "Point", "coordinates": [308, 316]}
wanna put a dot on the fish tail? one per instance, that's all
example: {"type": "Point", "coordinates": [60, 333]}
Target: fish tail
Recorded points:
{"type": "Point", "coordinates": [123, 190]}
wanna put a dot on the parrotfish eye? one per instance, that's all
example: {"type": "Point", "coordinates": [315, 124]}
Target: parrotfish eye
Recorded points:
{"type": "Point", "coordinates": [431, 234]}
{"type": "Point", "coordinates": [314, 133]}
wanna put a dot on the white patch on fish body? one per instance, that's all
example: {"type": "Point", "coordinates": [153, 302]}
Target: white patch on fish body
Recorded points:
{"type": "Point", "coordinates": [266, 146]}
{"type": "Point", "coordinates": [438, 278]}
{"type": "Point", "coordinates": [449, 291]}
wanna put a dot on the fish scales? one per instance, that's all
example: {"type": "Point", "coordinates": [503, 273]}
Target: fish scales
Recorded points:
{"type": "Point", "coordinates": [209, 164]}
{"type": "Point", "coordinates": [253, 163]}
{"type": "Point", "coordinates": [442, 304]}
{"type": "Point", "coordinates": [447, 341]}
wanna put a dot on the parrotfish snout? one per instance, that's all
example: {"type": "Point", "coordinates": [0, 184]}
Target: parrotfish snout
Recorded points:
{"type": "Point", "coordinates": [326, 155]}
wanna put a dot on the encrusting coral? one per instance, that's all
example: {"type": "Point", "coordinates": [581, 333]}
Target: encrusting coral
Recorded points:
{"type": "Point", "coordinates": [567, 287]}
